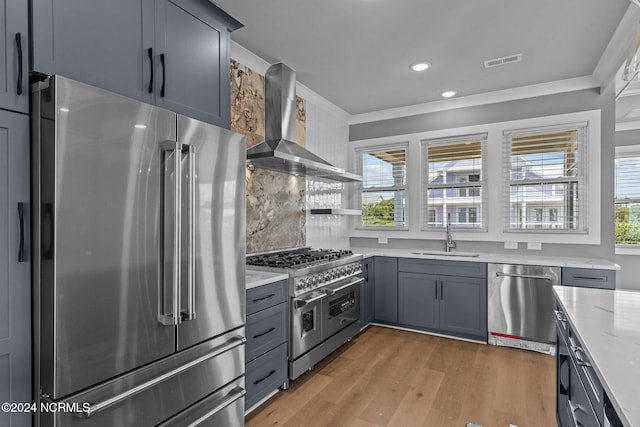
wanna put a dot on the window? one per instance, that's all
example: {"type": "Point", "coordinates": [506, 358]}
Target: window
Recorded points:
{"type": "Point", "coordinates": [384, 180]}
{"type": "Point", "coordinates": [544, 179]}
{"type": "Point", "coordinates": [627, 198]}
{"type": "Point", "coordinates": [453, 182]}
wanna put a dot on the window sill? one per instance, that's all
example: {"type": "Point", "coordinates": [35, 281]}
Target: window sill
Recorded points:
{"type": "Point", "coordinates": [628, 250]}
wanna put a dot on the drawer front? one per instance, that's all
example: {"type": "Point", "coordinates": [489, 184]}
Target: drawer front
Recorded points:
{"type": "Point", "coordinates": [266, 330]}
{"type": "Point", "coordinates": [265, 296]}
{"type": "Point", "coordinates": [443, 267]}
{"type": "Point", "coordinates": [588, 378]}
{"type": "Point", "coordinates": [265, 374]}
{"type": "Point", "coordinates": [579, 410]}
{"type": "Point", "coordinates": [589, 278]}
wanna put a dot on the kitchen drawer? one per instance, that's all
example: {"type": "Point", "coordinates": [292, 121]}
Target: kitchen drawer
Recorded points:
{"type": "Point", "coordinates": [265, 330]}
{"type": "Point", "coordinates": [443, 267]}
{"type": "Point", "coordinates": [588, 377]}
{"type": "Point", "coordinates": [265, 374]}
{"type": "Point", "coordinates": [265, 296]}
{"type": "Point", "coordinates": [578, 409]}
{"type": "Point", "coordinates": [589, 278]}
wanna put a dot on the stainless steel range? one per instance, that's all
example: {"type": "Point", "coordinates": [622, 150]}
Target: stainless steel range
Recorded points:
{"type": "Point", "coordinates": [324, 300]}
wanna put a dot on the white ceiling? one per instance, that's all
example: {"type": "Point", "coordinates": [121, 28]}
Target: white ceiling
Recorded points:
{"type": "Point", "coordinates": [356, 53]}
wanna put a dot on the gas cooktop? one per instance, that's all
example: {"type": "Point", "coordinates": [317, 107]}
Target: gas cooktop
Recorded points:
{"type": "Point", "coordinates": [296, 258]}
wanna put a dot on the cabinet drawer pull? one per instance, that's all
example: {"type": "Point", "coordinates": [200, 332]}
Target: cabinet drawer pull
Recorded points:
{"type": "Point", "coordinates": [595, 278]}
{"type": "Point", "coordinates": [560, 316]}
{"type": "Point", "coordinates": [19, 46]}
{"type": "Point", "coordinates": [264, 378]}
{"type": "Point", "coordinates": [263, 298]}
{"type": "Point", "coordinates": [163, 75]}
{"type": "Point", "coordinates": [265, 332]}
{"type": "Point", "coordinates": [150, 53]}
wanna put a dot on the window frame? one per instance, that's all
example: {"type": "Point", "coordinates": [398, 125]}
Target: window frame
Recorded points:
{"type": "Point", "coordinates": [625, 151]}
{"type": "Point", "coordinates": [580, 180]}
{"type": "Point", "coordinates": [405, 188]}
{"type": "Point", "coordinates": [468, 185]}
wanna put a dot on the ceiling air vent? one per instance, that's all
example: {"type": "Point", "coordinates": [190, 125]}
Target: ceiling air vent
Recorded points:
{"type": "Point", "coordinates": [502, 61]}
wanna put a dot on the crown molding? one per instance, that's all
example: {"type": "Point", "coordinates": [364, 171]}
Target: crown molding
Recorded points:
{"type": "Point", "coordinates": [531, 91]}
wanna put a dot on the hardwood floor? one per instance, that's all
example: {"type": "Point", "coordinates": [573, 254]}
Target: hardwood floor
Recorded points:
{"type": "Point", "coordinates": [389, 377]}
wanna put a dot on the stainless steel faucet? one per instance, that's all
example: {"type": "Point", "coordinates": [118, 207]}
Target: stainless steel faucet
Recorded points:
{"type": "Point", "coordinates": [450, 242]}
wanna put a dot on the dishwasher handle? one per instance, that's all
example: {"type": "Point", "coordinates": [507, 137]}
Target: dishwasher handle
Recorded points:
{"type": "Point", "coordinates": [523, 276]}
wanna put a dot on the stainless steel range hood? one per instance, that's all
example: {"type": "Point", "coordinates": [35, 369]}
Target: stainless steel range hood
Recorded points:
{"type": "Point", "coordinates": [279, 150]}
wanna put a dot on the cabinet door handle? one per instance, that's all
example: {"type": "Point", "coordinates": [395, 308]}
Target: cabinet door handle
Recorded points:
{"type": "Point", "coordinates": [163, 75]}
{"type": "Point", "coordinates": [19, 46]}
{"type": "Point", "coordinates": [21, 256]}
{"type": "Point", "coordinates": [263, 298]}
{"type": "Point", "coordinates": [265, 332]}
{"type": "Point", "coordinates": [441, 290]}
{"type": "Point", "coordinates": [436, 289]}
{"type": "Point", "coordinates": [150, 53]}
{"type": "Point", "coordinates": [366, 270]}
{"type": "Point", "coordinates": [264, 378]}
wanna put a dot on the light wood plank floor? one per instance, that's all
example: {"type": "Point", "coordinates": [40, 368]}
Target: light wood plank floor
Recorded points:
{"type": "Point", "coordinates": [389, 377]}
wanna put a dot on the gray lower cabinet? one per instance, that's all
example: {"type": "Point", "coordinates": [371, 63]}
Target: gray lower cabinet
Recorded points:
{"type": "Point", "coordinates": [266, 347]}
{"type": "Point", "coordinates": [172, 53]}
{"type": "Point", "coordinates": [589, 278]}
{"type": "Point", "coordinates": [418, 302]}
{"type": "Point", "coordinates": [385, 289]}
{"type": "Point", "coordinates": [14, 55]}
{"type": "Point", "coordinates": [580, 397]}
{"type": "Point", "coordinates": [451, 305]}
{"type": "Point", "coordinates": [15, 267]}
{"type": "Point", "coordinates": [366, 291]}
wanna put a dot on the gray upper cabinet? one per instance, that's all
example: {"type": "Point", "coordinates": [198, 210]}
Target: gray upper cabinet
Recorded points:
{"type": "Point", "coordinates": [101, 43]}
{"type": "Point", "coordinates": [14, 56]}
{"type": "Point", "coordinates": [192, 60]}
{"type": "Point", "coordinates": [15, 267]}
{"type": "Point", "coordinates": [172, 53]}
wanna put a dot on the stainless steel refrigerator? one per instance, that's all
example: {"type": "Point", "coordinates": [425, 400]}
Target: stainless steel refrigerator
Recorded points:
{"type": "Point", "coordinates": [139, 262]}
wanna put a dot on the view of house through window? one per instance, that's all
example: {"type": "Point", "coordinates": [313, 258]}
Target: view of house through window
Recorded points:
{"type": "Point", "coordinates": [453, 182]}
{"type": "Point", "coordinates": [627, 201]}
{"type": "Point", "coordinates": [544, 178]}
{"type": "Point", "coordinates": [384, 173]}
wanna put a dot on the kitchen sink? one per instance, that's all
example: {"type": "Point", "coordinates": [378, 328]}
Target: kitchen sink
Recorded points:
{"type": "Point", "coordinates": [444, 253]}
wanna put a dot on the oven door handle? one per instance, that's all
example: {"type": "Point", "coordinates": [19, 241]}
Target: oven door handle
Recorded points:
{"type": "Point", "coordinates": [331, 291]}
{"type": "Point", "coordinates": [298, 303]}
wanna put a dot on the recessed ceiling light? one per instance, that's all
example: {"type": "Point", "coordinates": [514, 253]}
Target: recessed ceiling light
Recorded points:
{"type": "Point", "coordinates": [140, 126]}
{"type": "Point", "coordinates": [448, 94]}
{"type": "Point", "coordinates": [421, 66]}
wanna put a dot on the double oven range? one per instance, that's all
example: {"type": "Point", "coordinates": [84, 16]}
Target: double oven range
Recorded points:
{"type": "Point", "coordinates": [324, 300]}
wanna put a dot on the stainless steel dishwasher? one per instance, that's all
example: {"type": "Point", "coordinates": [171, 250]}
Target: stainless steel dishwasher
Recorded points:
{"type": "Point", "coordinates": [520, 306]}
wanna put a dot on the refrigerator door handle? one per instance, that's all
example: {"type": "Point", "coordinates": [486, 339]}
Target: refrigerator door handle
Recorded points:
{"type": "Point", "coordinates": [173, 317]}
{"type": "Point", "coordinates": [190, 150]}
{"type": "Point", "coordinates": [237, 393]}
{"type": "Point", "coordinates": [90, 409]}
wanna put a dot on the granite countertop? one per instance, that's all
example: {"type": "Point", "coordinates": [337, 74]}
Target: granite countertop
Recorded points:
{"type": "Point", "coordinates": [255, 278]}
{"type": "Point", "coordinates": [607, 324]}
{"type": "Point", "coordinates": [505, 258]}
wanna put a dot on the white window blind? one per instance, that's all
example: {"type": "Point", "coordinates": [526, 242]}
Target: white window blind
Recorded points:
{"type": "Point", "coordinates": [384, 186]}
{"type": "Point", "coordinates": [627, 201]}
{"type": "Point", "coordinates": [545, 186]}
{"type": "Point", "coordinates": [454, 182]}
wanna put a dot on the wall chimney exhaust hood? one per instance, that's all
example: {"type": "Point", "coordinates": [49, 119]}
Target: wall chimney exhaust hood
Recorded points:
{"type": "Point", "coordinates": [279, 151]}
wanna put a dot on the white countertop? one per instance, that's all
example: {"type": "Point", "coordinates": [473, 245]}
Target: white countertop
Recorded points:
{"type": "Point", "coordinates": [256, 278]}
{"type": "Point", "coordinates": [552, 261]}
{"type": "Point", "coordinates": [607, 324]}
